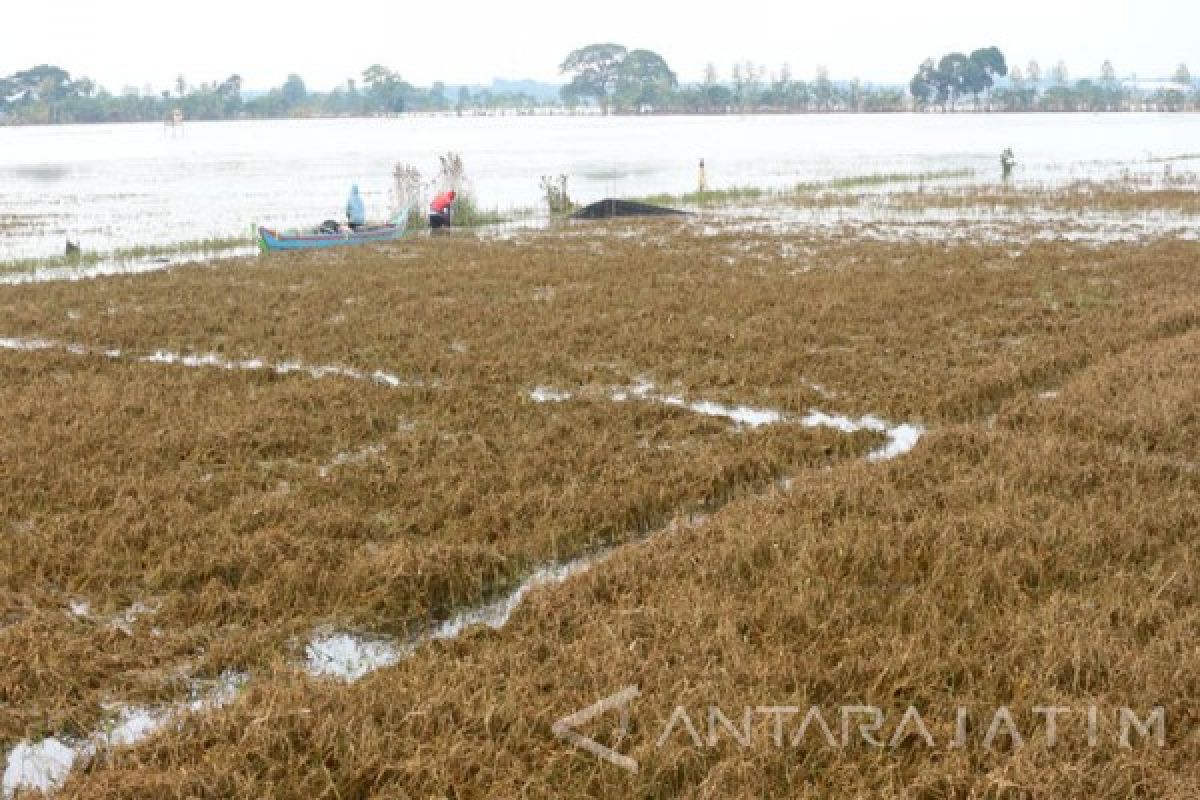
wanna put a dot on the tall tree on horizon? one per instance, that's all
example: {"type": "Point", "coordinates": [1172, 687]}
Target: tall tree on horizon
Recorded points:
{"type": "Point", "coordinates": [955, 74]}
{"type": "Point", "coordinates": [293, 91]}
{"type": "Point", "coordinates": [595, 70]}
{"type": "Point", "coordinates": [386, 89]}
{"type": "Point", "coordinates": [924, 86]}
{"type": "Point", "coordinates": [983, 67]}
{"type": "Point", "coordinates": [40, 90]}
{"type": "Point", "coordinates": [952, 77]}
{"type": "Point", "coordinates": [823, 88]}
{"type": "Point", "coordinates": [644, 79]}
{"type": "Point", "coordinates": [1108, 74]}
{"type": "Point", "coordinates": [1059, 74]}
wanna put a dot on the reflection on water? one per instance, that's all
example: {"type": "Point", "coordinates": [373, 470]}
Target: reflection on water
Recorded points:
{"type": "Point", "coordinates": [41, 173]}
{"type": "Point", "coordinates": [113, 186]}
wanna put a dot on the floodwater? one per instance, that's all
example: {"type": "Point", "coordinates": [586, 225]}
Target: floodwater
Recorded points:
{"type": "Point", "coordinates": [116, 186]}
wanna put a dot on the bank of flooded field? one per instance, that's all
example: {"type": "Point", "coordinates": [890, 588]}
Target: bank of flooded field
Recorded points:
{"type": "Point", "coordinates": [369, 522]}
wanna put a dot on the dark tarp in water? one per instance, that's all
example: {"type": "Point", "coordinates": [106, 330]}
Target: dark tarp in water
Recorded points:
{"type": "Point", "coordinates": [611, 207]}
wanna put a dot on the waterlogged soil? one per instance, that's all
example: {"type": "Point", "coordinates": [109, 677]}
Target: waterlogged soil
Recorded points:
{"type": "Point", "coordinates": [700, 406]}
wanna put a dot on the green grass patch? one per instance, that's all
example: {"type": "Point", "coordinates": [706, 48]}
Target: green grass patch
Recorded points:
{"type": "Point", "coordinates": [709, 197]}
{"type": "Point", "coordinates": [467, 214]}
{"type": "Point", "coordinates": [1170, 159]}
{"type": "Point", "coordinates": [881, 179]}
{"type": "Point", "coordinates": [741, 194]}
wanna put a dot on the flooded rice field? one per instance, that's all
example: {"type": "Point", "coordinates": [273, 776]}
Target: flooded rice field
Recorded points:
{"type": "Point", "coordinates": [367, 522]}
{"type": "Point", "coordinates": [115, 187]}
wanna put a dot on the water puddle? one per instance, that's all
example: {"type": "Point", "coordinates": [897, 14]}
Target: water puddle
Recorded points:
{"type": "Point", "coordinates": [37, 766]}
{"type": "Point", "coordinates": [640, 391]}
{"type": "Point", "coordinates": [29, 345]}
{"type": "Point", "coordinates": [211, 360]}
{"type": "Point", "coordinates": [900, 438]}
{"type": "Point", "coordinates": [214, 361]}
{"type": "Point", "coordinates": [125, 620]}
{"type": "Point", "coordinates": [496, 615]}
{"type": "Point", "coordinates": [44, 765]}
{"type": "Point", "coordinates": [543, 394]}
{"type": "Point", "coordinates": [350, 657]}
{"type": "Point", "coordinates": [742, 416]}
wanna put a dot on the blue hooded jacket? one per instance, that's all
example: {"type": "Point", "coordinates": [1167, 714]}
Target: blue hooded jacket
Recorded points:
{"type": "Point", "coordinates": [355, 213]}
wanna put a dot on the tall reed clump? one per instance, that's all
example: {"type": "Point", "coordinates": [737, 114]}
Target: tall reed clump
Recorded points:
{"type": "Point", "coordinates": [406, 194]}
{"type": "Point", "coordinates": [451, 175]}
{"type": "Point", "coordinates": [554, 191]}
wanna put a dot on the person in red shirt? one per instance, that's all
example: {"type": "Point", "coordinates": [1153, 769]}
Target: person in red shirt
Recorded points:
{"type": "Point", "coordinates": [439, 210]}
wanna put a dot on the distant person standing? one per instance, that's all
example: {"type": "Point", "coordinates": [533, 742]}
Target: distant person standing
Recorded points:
{"type": "Point", "coordinates": [439, 210]}
{"type": "Point", "coordinates": [701, 179]}
{"type": "Point", "coordinates": [356, 214]}
{"type": "Point", "coordinates": [1007, 162]}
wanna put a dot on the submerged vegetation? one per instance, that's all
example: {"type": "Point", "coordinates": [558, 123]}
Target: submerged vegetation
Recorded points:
{"type": "Point", "coordinates": [195, 247]}
{"type": "Point", "coordinates": [737, 195]}
{"type": "Point", "coordinates": [711, 198]}
{"type": "Point", "coordinates": [1081, 196]}
{"type": "Point", "coordinates": [883, 179]}
{"type": "Point", "coordinates": [557, 197]}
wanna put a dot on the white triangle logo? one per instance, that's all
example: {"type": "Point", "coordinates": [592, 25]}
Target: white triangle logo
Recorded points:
{"type": "Point", "coordinates": [566, 728]}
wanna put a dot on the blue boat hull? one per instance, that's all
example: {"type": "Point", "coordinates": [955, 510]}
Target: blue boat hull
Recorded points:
{"type": "Point", "coordinates": [272, 241]}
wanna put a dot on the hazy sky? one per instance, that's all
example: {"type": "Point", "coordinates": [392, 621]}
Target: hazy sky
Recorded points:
{"type": "Point", "coordinates": [134, 42]}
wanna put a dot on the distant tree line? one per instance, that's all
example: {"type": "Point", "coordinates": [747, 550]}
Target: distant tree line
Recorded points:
{"type": "Point", "coordinates": [47, 95]}
{"type": "Point", "coordinates": [611, 78]}
{"type": "Point", "coordinates": [958, 81]}
{"type": "Point", "coordinates": [1029, 90]}
{"type": "Point", "coordinates": [621, 80]}
{"type": "Point", "coordinates": [640, 81]}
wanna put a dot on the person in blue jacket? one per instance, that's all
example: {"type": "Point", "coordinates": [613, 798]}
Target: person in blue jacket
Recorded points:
{"type": "Point", "coordinates": [356, 215]}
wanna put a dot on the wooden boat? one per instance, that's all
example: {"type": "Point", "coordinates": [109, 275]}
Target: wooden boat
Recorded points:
{"type": "Point", "coordinates": [270, 240]}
